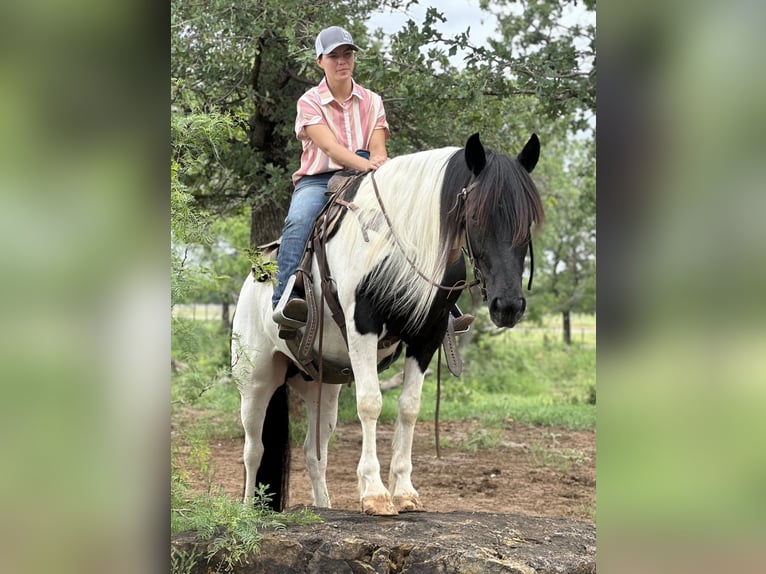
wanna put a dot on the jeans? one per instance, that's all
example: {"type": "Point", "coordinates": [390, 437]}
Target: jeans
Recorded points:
{"type": "Point", "coordinates": [308, 200]}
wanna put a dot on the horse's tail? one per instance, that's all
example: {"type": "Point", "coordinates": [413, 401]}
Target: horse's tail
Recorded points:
{"type": "Point", "coordinates": [274, 470]}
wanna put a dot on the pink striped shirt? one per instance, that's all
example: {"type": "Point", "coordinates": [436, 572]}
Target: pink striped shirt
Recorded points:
{"type": "Point", "coordinates": [352, 123]}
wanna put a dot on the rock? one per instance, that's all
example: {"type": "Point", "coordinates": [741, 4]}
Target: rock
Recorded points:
{"type": "Point", "coordinates": [418, 543]}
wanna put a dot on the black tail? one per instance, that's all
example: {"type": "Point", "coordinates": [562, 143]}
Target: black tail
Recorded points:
{"type": "Point", "coordinates": [275, 464]}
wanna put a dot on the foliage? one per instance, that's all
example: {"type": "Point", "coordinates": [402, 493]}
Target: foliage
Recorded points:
{"type": "Point", "coordinates": [262, 269]}
{"type": "Point", "coordinates": [483, 439]}
{"type": "Point", "coordinates": [200, 357]}
{"type": "Point", "coordinates": [566, 274]}
{"type": "Point", "coordinates": [194, 137]}
{"type": "Point", "coordinates": [543, 56]}
{"type": "Point", "coordinates": [515, 374]}
{"type": "Point", "coordinates": [251, 61]}
{"type": "Point", "coordinates": [234, 528]}
{"type": "Point", "coordinates": [556, 457]}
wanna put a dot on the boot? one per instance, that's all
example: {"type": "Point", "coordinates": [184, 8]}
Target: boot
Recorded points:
{"type": "Point", "coordinates": [292, 315]}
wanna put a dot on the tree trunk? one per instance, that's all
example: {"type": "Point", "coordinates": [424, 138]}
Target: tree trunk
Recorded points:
{"type": "Point", "coordinates": [267, 218]}
{"type": "Point", "coordinates": [225, 323]}
{"type": "Point", "coordinates": [266, 222]}
{"type": "Point", "coordinates": [567, 328]}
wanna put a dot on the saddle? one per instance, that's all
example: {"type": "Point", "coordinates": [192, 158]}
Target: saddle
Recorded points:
{"type": "Point", "coordinates": [341, 189]}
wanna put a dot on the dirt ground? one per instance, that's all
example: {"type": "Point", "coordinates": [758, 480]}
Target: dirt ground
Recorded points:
{"type": "Point", "coordinates": [519, 469]}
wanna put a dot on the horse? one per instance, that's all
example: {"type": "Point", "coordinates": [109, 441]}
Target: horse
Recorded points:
{"type": "Point", "coordinates": [397, 268]}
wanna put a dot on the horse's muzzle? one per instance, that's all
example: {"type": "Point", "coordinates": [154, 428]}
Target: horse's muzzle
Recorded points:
{"type": "Point", "coordinates": [506, 311]}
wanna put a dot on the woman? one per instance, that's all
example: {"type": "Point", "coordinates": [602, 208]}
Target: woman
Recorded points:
{"type": "Point", "coordinates": [341, 125]}
{"type": "Point", "coordinates": [335, 119]}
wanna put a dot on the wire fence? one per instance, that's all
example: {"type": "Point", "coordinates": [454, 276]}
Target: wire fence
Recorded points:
{"type": "Point", "coordinates": [201, 311]}
{"type": "Point", "coordinates": [213, 311]}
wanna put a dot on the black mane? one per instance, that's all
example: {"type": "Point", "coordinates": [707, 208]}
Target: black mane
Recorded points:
{"type": "Point", "coordinates": [502, 194]}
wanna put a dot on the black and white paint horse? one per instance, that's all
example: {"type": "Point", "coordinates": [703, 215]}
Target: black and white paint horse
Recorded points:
{"type": "Point", "coordinates": [435, 202]}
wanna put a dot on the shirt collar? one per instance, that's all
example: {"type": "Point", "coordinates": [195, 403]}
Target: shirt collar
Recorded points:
{"type": "Point", "coordinates": [325, 95]}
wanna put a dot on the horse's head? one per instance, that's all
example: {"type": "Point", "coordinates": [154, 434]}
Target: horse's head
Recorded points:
{"type": "Point", "coordinates": [501, 204]}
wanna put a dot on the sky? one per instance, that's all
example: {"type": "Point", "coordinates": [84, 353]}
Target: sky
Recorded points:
{"type": "Point", "coordinates": [460, 14]}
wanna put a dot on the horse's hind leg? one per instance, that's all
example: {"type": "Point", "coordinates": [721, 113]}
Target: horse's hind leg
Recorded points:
{"type": "Point", "coordinates": [328, 415]}
{"type": "Point", "coordinates": [405, 497]}
{"type": "Point", "coordinates": [257, 383]}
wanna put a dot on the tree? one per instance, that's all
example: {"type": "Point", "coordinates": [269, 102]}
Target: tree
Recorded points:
{"type": "Point", "coordinates": [254, 59]}
{"type": "Point", "coordinates": [227, 261]}
{"type": "Point", "coordinates": [250, 61]}
{"type": "Point", "coordinates": [567, 277]}
{"type": "Point", "coordinates": [194, 137]}
{"type": "Point", "coordinates": [543, 50]}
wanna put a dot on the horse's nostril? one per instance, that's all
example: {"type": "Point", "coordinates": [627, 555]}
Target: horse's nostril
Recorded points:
{"type": "Point", "coordinates": [512, 308]}
{"type": "Point", "coordinates": [494, 304]}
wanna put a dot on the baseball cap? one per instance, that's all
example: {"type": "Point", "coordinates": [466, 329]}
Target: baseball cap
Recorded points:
{"type": "Point", "coordinates": [332, 37]}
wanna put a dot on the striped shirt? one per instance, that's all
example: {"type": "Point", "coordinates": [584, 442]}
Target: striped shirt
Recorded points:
{"type": "Point", "coordinates": [352, 122]}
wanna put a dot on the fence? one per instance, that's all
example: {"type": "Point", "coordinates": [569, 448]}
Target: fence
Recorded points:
{"type": "Point", "coordinates": [201, 311]}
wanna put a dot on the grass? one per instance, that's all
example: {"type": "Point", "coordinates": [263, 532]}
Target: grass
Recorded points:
{"type": "Point", "coordinates": [233, 528]}
{"type": "Point", "coordinates": [554, 456]}
{"type": "Point", "coordinates": [525, 375]}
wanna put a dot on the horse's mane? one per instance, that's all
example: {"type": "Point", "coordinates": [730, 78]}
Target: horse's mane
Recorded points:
{"type": "Point", "coordinates": [503, 189]}
{"type": "Point", "coordinates": [418, 191]}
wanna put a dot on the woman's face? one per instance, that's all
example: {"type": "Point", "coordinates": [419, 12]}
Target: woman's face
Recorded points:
{"type": "Point", "coordinates": [338, 65]}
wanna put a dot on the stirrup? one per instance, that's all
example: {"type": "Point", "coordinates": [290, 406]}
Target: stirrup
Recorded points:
{"type": "Point", "coordinates": [278, 315]}
{"type": "Point", "coordinates": [461, 322]}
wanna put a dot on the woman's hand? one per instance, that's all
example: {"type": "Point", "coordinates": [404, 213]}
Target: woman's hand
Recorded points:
{"type": "Point", "coordinates": [377, 160]}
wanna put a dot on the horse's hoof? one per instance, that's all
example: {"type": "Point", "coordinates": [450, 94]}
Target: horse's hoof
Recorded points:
{"type": "Point", "coordinates": [378, 506]}
{"type": "Point", "coordinates": [408, 503]}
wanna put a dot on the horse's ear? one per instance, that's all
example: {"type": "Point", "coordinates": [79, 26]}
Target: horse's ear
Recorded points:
{"type": "Point", "coordinates": [530, 154]}
{"type": "Point", "coordinates": [474, 154]}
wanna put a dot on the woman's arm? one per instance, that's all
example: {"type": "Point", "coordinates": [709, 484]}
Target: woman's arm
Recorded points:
{"type": "Point", "coordinates": [378, 153]}
{"type": "Point", "coordinates": [323, 137]}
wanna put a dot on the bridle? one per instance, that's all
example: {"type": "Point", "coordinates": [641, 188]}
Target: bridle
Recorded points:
{"type": "Point", "coordinates": [460, 200]}
{"type": "Point", "coordinates": [459, 286]}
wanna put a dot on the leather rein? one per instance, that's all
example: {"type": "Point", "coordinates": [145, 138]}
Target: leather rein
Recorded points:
{"type": "Point", "coordinates": [327, 295]}
{"type": "Point", "coordinates": [460, 200]}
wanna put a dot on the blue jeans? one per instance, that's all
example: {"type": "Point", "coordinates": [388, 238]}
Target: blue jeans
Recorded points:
{"type": "Point", "coordinates": [308, 200]}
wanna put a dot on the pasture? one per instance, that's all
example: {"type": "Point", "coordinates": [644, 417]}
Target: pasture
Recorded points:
{"type": "Point", "coordinates": [517, 429]}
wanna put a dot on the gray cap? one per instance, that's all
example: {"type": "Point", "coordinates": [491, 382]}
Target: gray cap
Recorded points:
{"type": "Point", "coordinates": [332, 37]}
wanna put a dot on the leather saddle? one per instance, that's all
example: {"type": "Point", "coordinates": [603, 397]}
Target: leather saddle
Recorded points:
{"type": "Point", "coordinates": [341, 189]}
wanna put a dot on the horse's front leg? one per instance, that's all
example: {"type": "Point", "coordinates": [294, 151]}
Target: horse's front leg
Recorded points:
{"type": "Point", "coordinates": [328, 417]}
{"type": "Point", "coordinates": [374, 497]}
{"type": "Point", "coordinates": [405, 497]}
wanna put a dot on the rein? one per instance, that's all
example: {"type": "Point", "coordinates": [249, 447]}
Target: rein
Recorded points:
{"type": "Point", "coordinates": [460, 285]}
{"type": "Point", "coordinates": [468, 249]}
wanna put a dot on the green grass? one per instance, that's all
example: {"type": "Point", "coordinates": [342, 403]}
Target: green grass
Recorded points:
{"type": "Point", "coordinates": [226, 525]}
{"type": "Point", "coordinates": [520, 375]}
{"type": "Point", "coordinates": [525, 375]}
{"type": "Point", "coordinates": [204, 399]}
